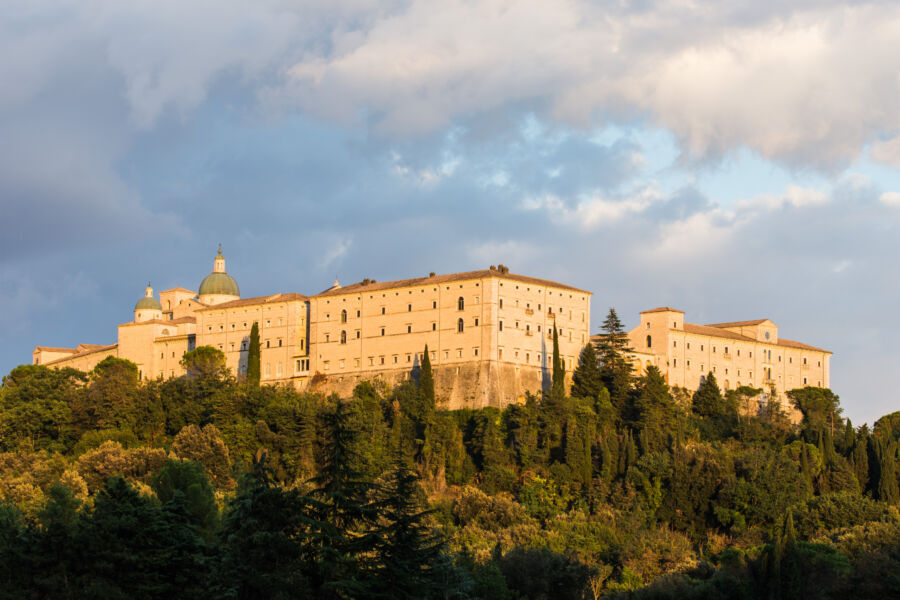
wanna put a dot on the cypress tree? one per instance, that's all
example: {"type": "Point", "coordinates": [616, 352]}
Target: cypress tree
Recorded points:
{"type": "Point", "coordinates": [558, 387]}
{"type": "Point", "coordinates": [587, 381]}
{"type": "Point", "coordinates": [805, 472]}
{"type": "Point", "coordinates": [654, 411]}
{"type": "Point", "coordinates": [253, 372]}
{"type": "Point", "coordinates": [426, 380]}
{"type": "Point", "coordinates": [859, 459]}
{"type": "Point", "coordinates": [887, 489]}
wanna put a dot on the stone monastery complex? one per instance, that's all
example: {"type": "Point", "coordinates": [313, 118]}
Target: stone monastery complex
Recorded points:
{"type": "Point", "coordinates": [489, 334]}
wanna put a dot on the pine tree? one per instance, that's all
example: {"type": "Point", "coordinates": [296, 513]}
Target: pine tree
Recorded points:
{"type": "Point", "coordinates": [345, 517]}
{"type": "Point", "coordinates": [426, 380]}
{"type": "Point", "coordinates": [408, 549]}
{"type": "Point", "coordinates": [264, 541]}
{"type": "Point", "coordinates": [615, 368]}
{"type": "Point", "coordinates": [859, 459]}
{"type": "Point", "coordinates": [587, 381]}
{"type": "Point", "coordinates": [253, 355]}
{"type": "Point", "coordinates": [558, 386]}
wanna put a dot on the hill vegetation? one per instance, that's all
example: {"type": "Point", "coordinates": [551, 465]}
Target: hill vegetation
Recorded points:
{"type": "Point", "coordinates": [204, 486]}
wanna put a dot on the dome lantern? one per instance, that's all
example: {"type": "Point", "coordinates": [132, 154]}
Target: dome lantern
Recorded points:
{"type": "Point", "coordinates": [218, 286]}
{"type": "Point", "coordinates": [148, 307]}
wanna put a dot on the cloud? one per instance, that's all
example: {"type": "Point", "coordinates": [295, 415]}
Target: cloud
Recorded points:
{"type": "Point", "coordinates": [886, 152]}
{"type": "Point", "coordinates": [890, 198]}
{"type": "Point", "coordinates": [807, 86]}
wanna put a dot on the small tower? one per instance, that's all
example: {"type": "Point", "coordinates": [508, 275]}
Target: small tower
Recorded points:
{"type": "Point", "coordinates": [218, 286]}
{"type": "Point", "coordinates": [148, 307]}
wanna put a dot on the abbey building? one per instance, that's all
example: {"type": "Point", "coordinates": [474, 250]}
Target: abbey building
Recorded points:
{"type": "Point", "coordinates": [489, 335]}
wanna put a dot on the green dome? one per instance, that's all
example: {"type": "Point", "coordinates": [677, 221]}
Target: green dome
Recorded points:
{"type": "Point", "coordinates": [219, 283]}
{"type": "Point", "coordinates": [148, 303]}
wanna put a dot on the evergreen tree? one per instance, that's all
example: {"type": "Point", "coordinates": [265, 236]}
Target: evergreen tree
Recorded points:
{"type": "Point", "coordinates": [859, 459]}
{"type": "Point", "coordinates": [253, 356]}
{"type": "Point", "coordinates": [654, 411]}
{"type": "Point", "coordinates": [615, 368]}
{"type": "Point", "coordinates": [587, 381]}
{"type": "Point", "coordinates": [264, 541]}
{"type": "Point", "coordinates": [408, 549]}
{"type": "Point", "coordinates": [344, 515]}
{"type": "Point", "coordinates": [708, 400]}
{"type": "Point", "coordinates": [426, 380]}
{"type": "Point", "coordinates": [886, 488]}
{"type": "Point", "coordinates": [558, 385]}
{"type": "Point", "coordinates": [806, 477]}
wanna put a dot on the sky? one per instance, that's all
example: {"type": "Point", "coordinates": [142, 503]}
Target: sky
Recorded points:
{"type": "Point", "coordinates": [736, 160]}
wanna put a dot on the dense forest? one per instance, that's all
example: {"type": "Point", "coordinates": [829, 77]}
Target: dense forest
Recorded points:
{"type": "Point", "coordinates": [618, 487]}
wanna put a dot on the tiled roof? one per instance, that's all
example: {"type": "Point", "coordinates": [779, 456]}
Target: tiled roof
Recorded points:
{"type": "Point", "coordinates": [724, 333]}
{"type": "Point", "coordinates": [81, 347]}
{"type": "Point", "coordinates": [178, 289]}
{"type": "Point", "coordinates": [256, 300]}
{"type": "Point", "coordinates": [361, 286]}
{"type": "Point", "coordinates": [177, 321]}
{"type": "Point", "coordinates": [52, 349]}
{"type": "Point", "coordinates": [738, 323]}
{"type": "Point", "coordinates": [801, 345]}
{"type": "Point", "coordinates": [84, 353]}
{"type": "Point", "coordinates": [715, 332]}
{"type": "Point", "coordinates": [662, 309]}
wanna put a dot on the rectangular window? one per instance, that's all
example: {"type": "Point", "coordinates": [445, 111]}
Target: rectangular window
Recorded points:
{"type": "Point", "coordinates": [501, 302]}
{"type": "Point", "coordinates": [674, 343]}
{"type": "Point", "coordinates": [341, 364]}
{"type": "Point", "coordinates": [267, 341]}
{"type": "Point", "coordinates": [500, 353]}
{"type": "Point", "coordinates": [501, 325]}
{"type": "Point", "coordinates": [446, 354]}
{"type": "Point", "coordinates": [476, 321]}
{"type": "Point", "coordinates": [371, 361]}
{"type": "Point", "coordinates": [382, 359]}
{"type": "Point", "coordinates": [279, 342]}
{"type": "Point", "coordinates": [434, 304]}
{"type": "Point", "coordinates": [476, 351]}
{"type": "Point", "coordinates": [409, 308]}
{"type": "Point", "coordinates": [327, 364]}
{"type": "Point", "coordinates": [382, 331]}
{"type": "Point", "coordinates": [459, 353]}
{"type": "Point", "coordinates": [396, 359]}
{"type": "Point", "coordinates": [409, 329]}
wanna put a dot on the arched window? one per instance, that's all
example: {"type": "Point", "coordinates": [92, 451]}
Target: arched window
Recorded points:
{"type": "Point", "coordinates": [649, 342]}
{"type": "Point", "coordinates": [343, 337]}
{"type": "Point", "coordinates": [460, 304]}
{"type": "Point", "coordinates": [343, 316]}
{"type": "Point", "coordinates": [460, 325]}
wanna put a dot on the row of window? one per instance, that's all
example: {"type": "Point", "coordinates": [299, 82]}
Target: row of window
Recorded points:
{"type": "Point", "coordinates": [767, 354]}
{"type": "Point", "coordinates": [268, 322]}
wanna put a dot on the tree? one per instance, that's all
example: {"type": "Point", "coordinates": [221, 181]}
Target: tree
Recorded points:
{"type": "Point", "coordinates": [253, 355]}
{"type": "Point", "coordinates": [137, 549]}
{"type": "Point", "coordinates": [409, 549]}
{"type": "Point", "coordinates": [344, 516]}
{"type": "Point", "coordinates": [587, 381]}
{"type": "Point", "coordinates": [558, 385]}
{"type": "Point", "coordinates": [205, 363]}
{"type": "Point", "coordinates": [654, 411]}
{"type": "Point", "coordinates": [615, 368]}
{"type": "Point", "coordinates": [426, 380]}
{"type": "Point", "coordinates": [264, 541]}
{"type": "Point", "coordinates": [111, 398]}
{"type": "Point", "coordinates": [189, 478]}
{"type": "Point", "coordinates": [708, 400]}
{"type": "Point", "coordinates": [820, 407]}
{"type": "Point", "coordinates": [206, 447]}
{"type": "Point", "coordinates": [34, 405]}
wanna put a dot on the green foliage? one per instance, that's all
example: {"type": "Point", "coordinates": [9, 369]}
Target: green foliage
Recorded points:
{"type": "Point", "coordinates": [554, 497]}
{"type": "Point", "coordinates": [426, 380]}
{"type": "Point", "coordinates": [253, 356]}
{"type": "Point", "coordinates": [587, 380]}
{"type": "Point", "coordinates": [615, 368]}
{"type": "Point", "coordinates": [35, 406]}
{"type": "Point", "coordinates": [558, 380]}
{"type": "Point", "coordinates": [189, 479]}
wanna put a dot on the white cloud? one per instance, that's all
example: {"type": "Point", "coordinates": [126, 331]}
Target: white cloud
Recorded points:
{"type": "Point", "coordinates": [591, 212]}
{"type": "Point", "coordinates": [890, 198]}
